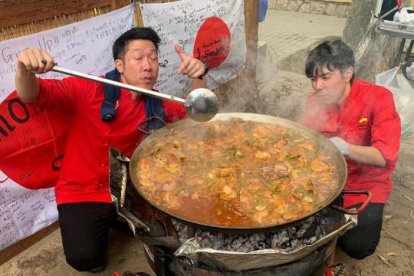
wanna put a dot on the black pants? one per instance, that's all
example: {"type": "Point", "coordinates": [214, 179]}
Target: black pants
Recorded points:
{"type": "Point", "coordinates": [84, 228]}
{"type": "Point", "coordinates": [362, 240]}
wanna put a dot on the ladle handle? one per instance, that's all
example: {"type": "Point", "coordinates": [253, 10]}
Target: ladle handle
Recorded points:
{"type": "Point", "coordinates": [118, 84]}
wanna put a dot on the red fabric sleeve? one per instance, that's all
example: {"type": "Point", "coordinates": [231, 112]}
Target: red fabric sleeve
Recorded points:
{"type": "Point", "coordinates": [65, 93]}
{"type": "Point", "coordinates": [386, 127]}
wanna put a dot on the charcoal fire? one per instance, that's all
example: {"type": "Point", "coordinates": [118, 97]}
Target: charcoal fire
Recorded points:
{"type": "Point", "coordinates": [284, 240]}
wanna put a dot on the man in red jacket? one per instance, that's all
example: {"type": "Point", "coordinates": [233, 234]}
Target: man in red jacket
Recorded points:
{"type": "Point", "coordinates": [361, 120]}
{"type": "Point", "coordinates": [101, 117]}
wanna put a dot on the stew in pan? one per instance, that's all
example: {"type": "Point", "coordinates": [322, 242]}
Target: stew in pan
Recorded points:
{"type": "Point", "coordinates": [237, 173]}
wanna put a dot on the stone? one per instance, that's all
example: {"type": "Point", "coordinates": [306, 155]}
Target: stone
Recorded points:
{"type": "Point", "coordinates": [328, 7]}
{"type": "Point", "coordinates": [305, 8]}
{"type": "Point", "coordinates": [282, 4]}
{"type": "Point", "coordinates": [374, 51]}
{"type": "Point", "coordinates": [331, 9]}
{"type": "Point", "coordinates": [317, 8]}
{"type": "Point", "coordinates": [272, 4]}
{"type": "Point", "coordinates": [292, 6]}
{"type": "Point", "coordinates": [299, 2]}
{"type": "Point", "coordinates": [343, 10]}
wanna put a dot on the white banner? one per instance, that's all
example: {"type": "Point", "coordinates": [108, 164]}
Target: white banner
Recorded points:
{"type": "Point", "coordinates": [212, 30]}
{"type": "Point", "coordinates": [85, 46]}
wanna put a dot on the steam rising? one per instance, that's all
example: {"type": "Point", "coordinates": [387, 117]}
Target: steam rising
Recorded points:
{"type": "Point", "coordinates": [274, 92]}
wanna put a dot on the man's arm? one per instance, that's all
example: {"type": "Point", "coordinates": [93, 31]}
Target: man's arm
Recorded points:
{"type": "Point", "coordinates": [193, 68]}
{"type": "Point", "coordinates": [362, 154]}
{"type": "Point", "coordinates": [198, 83]}
{"type": "Point", "coordinates": [385, 132]}
{"type": "Point", "coordinates": [366, 155]}
{"type": "Point", "coordinates": [29, 63]}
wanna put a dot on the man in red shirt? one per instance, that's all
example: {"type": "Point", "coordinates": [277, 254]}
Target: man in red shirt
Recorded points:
{"type": "Point", "coordinates": [101, 117]}
{"type": "Point", "coordinates": [361, 120]}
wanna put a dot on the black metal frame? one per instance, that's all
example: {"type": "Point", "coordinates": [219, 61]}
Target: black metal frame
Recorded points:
{"type": "Point", "coordinates": [409, 57]}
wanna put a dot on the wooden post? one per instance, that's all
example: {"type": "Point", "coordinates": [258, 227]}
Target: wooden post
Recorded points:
{"type": "Point", "coordinates": [251, 20]}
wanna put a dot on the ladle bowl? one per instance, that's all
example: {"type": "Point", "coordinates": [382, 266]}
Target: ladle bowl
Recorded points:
{"type": "Point", "coordinates": [201, 105]}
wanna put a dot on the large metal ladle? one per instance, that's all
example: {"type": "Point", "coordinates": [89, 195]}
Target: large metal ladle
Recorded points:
{"type": "Point", "coordinates": [201, 104]}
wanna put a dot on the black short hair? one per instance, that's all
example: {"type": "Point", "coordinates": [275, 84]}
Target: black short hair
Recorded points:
{"type": "Point", "coordinates": [334, 54]}
{"type": "Point", "coordinates": [147, 33]}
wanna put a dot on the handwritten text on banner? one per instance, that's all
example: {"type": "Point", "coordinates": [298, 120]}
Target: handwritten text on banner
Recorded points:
{"type": "Point", "coordinates": [200, 27]}
{"type": "Point", "coordinates": [85, 46]}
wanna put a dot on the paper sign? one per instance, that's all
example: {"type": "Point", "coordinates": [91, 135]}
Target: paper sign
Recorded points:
{"type": "Point", "coordinates": [211, 30]}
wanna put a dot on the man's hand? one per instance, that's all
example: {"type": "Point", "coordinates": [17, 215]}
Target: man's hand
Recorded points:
{"type": "Point", "coordinates": [341, 145]}
{"type": "Point", "coordinates": [29, 63]}
{"type": "Point", "coordinates": [36, 61]}
{"type": "Point", "coordinates": [190, 66]}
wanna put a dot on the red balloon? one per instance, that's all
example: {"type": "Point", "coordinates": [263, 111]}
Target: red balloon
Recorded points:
{"type": "Point", "coordinates": [213, 42]}
{"type": "Point", "coordinates": [31, 143]}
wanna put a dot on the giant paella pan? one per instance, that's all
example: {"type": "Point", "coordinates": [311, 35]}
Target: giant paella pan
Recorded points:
{"type": "Point", "coordinates": [239, 171]}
